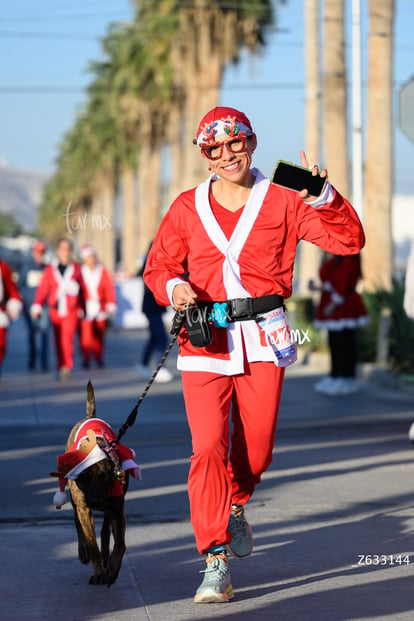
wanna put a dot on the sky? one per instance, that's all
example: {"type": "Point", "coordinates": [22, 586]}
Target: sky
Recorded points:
{"type": "Point", "coordinates": [47, 45]}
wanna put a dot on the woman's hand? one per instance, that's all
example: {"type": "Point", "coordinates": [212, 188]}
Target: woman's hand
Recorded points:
{"type": "Point", "coordinates": [304, 194]}
{"type": "Point", "coordinates": [183, 296]}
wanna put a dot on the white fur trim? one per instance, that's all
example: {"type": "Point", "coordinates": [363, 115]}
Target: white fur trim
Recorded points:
{"type": "Point", "coordinates": [237, 332]}
{"type": "Point", "coordinates": [66, 286]}
{"type": "Point", "coordinates": [111, 308]}
{"type": "Point", "coordinates": [96, 454]}
{"type": "Point", "coordinates": [93, 308]}
{"type": "Point", "coordinates": [14, 306]}
{"type": "Point", "coordinates": [170, 287]}
{"type": "Point", "coordinates": [4, 320]}
{"type": "Point", "coordinates": [336, 298]}
{"type": "Point", "coordinates": [132, 467]}
{"type": "Point", "coordinates": [335, 325]}
{"type": "Point", "coordinates": [86, 251]}
{"type": "Point", "coordinates": [36, 309]}
{"type": "Point", "coordinates": [327, 196]}
{"type": "Point", "coordinates": [59, 499]}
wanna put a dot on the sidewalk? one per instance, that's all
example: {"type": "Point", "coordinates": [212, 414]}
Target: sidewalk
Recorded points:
{"type": "Point", "coordinates": [339, 488]}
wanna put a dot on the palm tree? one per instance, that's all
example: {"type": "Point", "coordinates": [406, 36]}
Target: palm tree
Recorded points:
{"type": "Point", "coordinates": [377, 255]}
{"type": "Point", "coordinates": [67, 195]}
{"type": "Point", "coordinates": [159, 75]}
{"type": "Point", "coordinates": [120, 84]}
{"type": "Point", "coordinates": [212, 35]}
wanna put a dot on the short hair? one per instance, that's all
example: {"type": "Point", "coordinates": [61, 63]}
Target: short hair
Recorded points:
{"type": "Point", "coordinates": [64, 239]}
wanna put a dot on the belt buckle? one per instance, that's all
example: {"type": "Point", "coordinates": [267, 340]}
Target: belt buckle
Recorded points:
{"type": "Point", "coordinates": [242, 307]}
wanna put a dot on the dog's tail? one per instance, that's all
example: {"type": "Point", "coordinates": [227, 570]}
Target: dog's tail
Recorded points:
{"type": "Point", "coordinates": [90, 401]}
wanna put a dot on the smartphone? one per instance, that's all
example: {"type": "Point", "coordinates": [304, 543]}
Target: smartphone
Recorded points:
{"type": "Point", "coordinates": [297, 178]}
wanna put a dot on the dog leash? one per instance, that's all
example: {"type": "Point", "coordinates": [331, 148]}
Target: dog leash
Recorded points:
{"type": "Point", "coordinates": [177, 324]}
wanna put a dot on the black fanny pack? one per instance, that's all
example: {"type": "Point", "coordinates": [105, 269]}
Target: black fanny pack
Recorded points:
{"type": "Point", "coordinates": [200, 317]}
{"type": "Point", "coordinates": [198, 326]}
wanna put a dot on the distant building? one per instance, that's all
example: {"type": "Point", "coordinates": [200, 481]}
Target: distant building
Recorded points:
{"type": "Point", "coordinates": [402, 229]}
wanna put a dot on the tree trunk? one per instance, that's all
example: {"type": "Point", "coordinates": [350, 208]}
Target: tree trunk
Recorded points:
{"type": "Point", "coordinates": [149, 186]}
{"type": "Point", "coordinates": [175, 145]}
{"type": "Point", "coordinates": [92, 216]}
{"type": "Point", "coordinates": [202, 66]}
{"type": "Point", "coordinates": [105, 224]}
{"type": "Point", "coordinates": [309, 254]}
{"type": "Point", "coordinates": [335, 98]}
{"type": "Point", "coordinates": [377, 255]}
{"type": "Point", "coordinates": [99, 221]}
{"type": "Point", "coordinates": [129, 218]}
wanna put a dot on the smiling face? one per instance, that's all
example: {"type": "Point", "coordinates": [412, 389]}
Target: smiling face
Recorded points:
{"type": "Point", "coordinates": [234, 158]}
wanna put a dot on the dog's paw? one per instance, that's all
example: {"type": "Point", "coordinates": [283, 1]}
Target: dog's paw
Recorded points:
{"type": "Point", "coordinates": [98, 578]}
{"type": "Point", "coordinates": [111, 574]}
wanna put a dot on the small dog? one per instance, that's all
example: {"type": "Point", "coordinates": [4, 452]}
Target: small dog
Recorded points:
{"type": "Point", "coordinates": [98, 480]}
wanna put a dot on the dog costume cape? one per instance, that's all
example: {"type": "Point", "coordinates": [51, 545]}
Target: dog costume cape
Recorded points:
{"type": "Point", "coordinates": [85, 452]}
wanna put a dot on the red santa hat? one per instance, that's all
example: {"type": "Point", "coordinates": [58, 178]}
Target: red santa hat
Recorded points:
{"type": "Point", "coordinates": [39, 247]}
{"type": "Point", "coordinates": [86, 251]}
{"type": "Point", "coordinates": [222, 120]}
{"type": "Point", "coordinates": [85, 452]}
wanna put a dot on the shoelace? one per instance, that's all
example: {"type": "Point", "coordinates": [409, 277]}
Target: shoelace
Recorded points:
{"type": "Point", "coordinates": [214, 565]}
{"type": "Point", "coordinates": [238, 523]}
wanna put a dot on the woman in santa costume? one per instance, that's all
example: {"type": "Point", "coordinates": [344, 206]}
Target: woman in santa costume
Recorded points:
{"type": "Point", "coordinates": [236, 236]}
{"type": "Point", "coordinates": [341, 312]}
{"type": "Point", "coordinates": [62, 289]}
{"type": "Point", "coordinates": [100, 305]}
{"type": "Point", "coordinates": [10, 305]}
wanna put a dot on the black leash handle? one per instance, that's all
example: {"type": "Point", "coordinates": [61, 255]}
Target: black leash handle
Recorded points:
{"type": "Point", "coordinates": [177, 324]}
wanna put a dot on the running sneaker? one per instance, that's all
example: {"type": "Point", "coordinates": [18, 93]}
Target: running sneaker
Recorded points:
{"type": "Point", "coordinates": [241, 544]}
{"type": "Point", "coordinates": [324, 384]}
{"type": "Point", "coordinates": [216, 586]}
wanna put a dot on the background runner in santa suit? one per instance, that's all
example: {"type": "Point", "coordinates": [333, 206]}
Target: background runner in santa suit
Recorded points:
{"type": "Point", "coordinates": [38, 331]}
{"type": "Point", "coordinates": [236, 236]}
{"type": "Point", "coordinates": [62, 289]}
{"type": "Point", "coordinates": [341, 312]}
{"type": "Point", "coordinates": [100, 305]}
{"type": "Point", "coordinates": [10, 305]}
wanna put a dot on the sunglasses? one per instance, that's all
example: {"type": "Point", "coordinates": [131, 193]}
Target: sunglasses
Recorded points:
{"type": "Point", "coordinates": [215, 151]}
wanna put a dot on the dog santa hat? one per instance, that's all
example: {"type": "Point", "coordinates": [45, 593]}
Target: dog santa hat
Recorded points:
{"type": "Point", "coordinates": [85, 451]}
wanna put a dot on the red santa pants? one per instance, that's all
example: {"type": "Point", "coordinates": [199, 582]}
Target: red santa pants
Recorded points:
{"type": "Point", "coordinates": [64, 330]}
{"type": "Point", "coordinates": [92, 335]}
{"type": "Point", "coordinates": [220, 477]}
{"type": "Point", "coordinates": [3, 343]}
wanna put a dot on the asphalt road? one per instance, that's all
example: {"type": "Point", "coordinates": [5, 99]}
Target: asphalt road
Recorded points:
{"type": "Point", "coordinates": [333, 518]}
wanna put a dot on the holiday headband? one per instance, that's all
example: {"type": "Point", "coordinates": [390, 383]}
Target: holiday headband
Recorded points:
{"type": "Point", "coordinates": [85, 451]}
{"type": "Point", "coordinates": [222, 121]}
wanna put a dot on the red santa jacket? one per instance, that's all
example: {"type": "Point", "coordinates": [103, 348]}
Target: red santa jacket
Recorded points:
{"type": "Point", "coordinates": [99, 292]}
{"type": "Point", "coordinates": [257, 260]}
{"type": "Point", "coordinates": [340, 305]}
{"type": "Point", "coordinates": [63, 294]}
{"type": "Point", "coordinates": [10, 301]}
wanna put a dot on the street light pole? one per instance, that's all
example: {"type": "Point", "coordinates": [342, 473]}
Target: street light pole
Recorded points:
{"type": "Point", "coordinates": [357, 166]}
